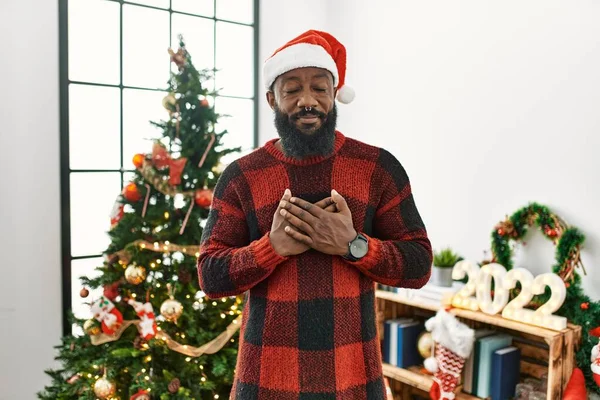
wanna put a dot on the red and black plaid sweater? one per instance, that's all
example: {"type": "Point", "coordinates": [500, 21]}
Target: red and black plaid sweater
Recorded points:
{"type": "Point", "coordinates": [309, 323]}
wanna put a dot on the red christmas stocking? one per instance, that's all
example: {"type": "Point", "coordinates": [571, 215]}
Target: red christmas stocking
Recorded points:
{"type": "Point", "coordinates": [453, 344]}
{"type": "Point", "coordinates": [105, 312]}
{"type": "Point", "coordinates": [447, 377]}
{"type": "Point", "coordinates": [147, 325]}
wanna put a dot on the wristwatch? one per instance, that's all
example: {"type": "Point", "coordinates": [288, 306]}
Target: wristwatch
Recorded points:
{"type": "Point", "coordinates": [357, 248]}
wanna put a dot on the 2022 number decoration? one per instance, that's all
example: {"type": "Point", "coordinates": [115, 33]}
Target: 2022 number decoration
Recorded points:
{"type": "Point", "coordinates": [479, 282]}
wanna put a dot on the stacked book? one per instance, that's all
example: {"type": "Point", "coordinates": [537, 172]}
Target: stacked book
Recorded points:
{"type": "Point", "coordinates": [493, 369]}
{"type": "Point", "coordinates": [400, 338]}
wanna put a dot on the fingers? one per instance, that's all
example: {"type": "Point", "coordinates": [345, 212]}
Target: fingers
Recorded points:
{"type": "Point", "coordinates": [331, 208]}
{"type": "Point", "coordinates": [295, 221]}
{"type": "Point", "coordinates": [286, 194]}
{"type": "Point", "coordinates": [302, 214]}
{"type": "Point", "coordinates": [326, 202]}
{"type": "Point", "coordinates": [342, 206]}
{"type": "Point", "coordinates": [298, 236]}
{"type": "Point", "coordinates": [306, 206]}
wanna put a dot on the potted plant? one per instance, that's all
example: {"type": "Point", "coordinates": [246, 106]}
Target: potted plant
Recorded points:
{"type": "Point", "coordinates": [443, 261]}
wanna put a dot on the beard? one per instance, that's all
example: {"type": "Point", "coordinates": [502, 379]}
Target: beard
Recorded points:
{"type": "Point", "coordinates": [298, 144]}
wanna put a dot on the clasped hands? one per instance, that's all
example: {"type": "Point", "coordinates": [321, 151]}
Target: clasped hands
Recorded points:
{"type": "Point", "coordinates": [299, 225]}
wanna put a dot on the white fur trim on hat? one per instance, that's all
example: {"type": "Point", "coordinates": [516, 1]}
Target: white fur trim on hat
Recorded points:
{"type": "Point", "coordinates": [298, 56]}
{"type": "Point", "coordinates": [449, 332]}
{"type": "Point", "coordinates": [595, 368]}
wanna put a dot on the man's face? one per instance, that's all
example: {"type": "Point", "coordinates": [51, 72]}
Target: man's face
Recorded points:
{"type": "Point", "coordinates": [306, 96]}
{"type": "Point", "coordinates": [305, 112]}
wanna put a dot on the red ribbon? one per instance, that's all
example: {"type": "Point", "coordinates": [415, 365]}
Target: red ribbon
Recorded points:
{"type": "Point", "coordinates": [162, 159]}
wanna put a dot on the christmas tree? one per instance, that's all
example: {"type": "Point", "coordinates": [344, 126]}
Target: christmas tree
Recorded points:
{"type": "Point", "coordinates": [154, 334]}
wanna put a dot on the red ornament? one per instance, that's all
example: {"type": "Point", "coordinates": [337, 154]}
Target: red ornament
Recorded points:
{"type": "Point", "coordinates": [204, 198]}
{"type": "Point", "coordinates": [138, 160]}
{"type": "Point", "coordinates": [595, 332]}
{"type": "Point", "coordinates": [84, 292]}
{"type": "Point", "coordinates": [111, 291]}
{"type": "Point", "coordinates": [176, 168]}
{"type": "Point", "coordinates": [501, 232]}
{"type": "Point", "coordinates": [585, 306]}
{"type": "Point", "coordinates": [160, 156]}
{"type": "Point", "coordinates": [567, 285]}
{"type": "Point", "coordinates": [551, 232]}
{"type": "Point", "coordinates": [204, 103]}
{"type": "Point", "coordinates": [141, 395]}
{"type": "Point", "coordinates": [131, 193]}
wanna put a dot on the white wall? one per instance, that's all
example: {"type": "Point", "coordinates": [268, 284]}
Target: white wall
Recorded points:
{"type": "Point", "coordinates": [489, 105]}
{"type": "Point", "coordinates": [281, 21]}
{"type": "Point", "coordinates": [30, 288]}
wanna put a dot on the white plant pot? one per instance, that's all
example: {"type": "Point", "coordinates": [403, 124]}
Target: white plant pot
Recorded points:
{"type": "Point", "coordinates": [441, 276]}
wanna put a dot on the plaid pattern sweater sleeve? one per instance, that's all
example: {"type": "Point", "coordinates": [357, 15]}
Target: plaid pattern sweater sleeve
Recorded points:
{"type": "Point", "coordinates": [309, 322]}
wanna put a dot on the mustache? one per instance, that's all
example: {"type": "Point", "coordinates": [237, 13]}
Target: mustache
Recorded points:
{"type": "Point", "coordinates": [305, 113]}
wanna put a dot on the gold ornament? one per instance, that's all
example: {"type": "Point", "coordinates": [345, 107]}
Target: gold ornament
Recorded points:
{"type": "Point", "coordinates": [135, 274]}
{"type": "Point", "coordinates": [169, 102]}
{"type": "Point", "coordinates": [104, 388]}
{"type": "Point", "coordinates": [424, 344]}
{"type": "Point", "coordinates": [171, 309]}
{"type": "Point", "coordinates": [91, 327]}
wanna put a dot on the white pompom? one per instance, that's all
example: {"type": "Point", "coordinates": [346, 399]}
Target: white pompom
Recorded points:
{"type": "Point", "coordinates": [431, 365]}
{"type": "Point", "coordinates": [595, 352]}
{"type": "Point", "coordinates": [345, 94]}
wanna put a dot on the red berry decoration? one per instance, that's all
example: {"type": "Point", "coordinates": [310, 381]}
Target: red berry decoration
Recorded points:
{"type": "Point", "coordinates": [585, 306]}
{"type": "Point", "coordinates": [204, 103]}
{"type": "Point", "coordinates": [501, 232]}
{"type": "Point", "coordinates": [551, 232]}
{"type": "Point", "coordinates": [131, 193]}
{"type": "Point", "coordinates": [204, 198]}
{"type": "Point", "coordinates": [138, 160]}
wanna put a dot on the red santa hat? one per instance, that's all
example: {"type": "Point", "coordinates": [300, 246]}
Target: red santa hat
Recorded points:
{"type": "Point", "coordinates": [311, 49]}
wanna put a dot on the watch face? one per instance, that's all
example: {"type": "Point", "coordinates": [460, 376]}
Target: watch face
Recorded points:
{"type": "Point", "coordinates": [358, 248]}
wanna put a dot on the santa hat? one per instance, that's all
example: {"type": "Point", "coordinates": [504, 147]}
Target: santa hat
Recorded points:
{"type": "Point", "coordinates": [311, 49]}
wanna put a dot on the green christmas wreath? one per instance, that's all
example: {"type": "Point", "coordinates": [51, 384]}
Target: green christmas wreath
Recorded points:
{"type": "Point", "coordinates": [577, 308]}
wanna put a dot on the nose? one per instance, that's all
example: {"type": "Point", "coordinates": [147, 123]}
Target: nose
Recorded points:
{"type": "Point", "coordinates": [307, 100]}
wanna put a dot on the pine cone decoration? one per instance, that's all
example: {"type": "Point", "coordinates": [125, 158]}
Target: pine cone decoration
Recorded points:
{"type": "Point", "coordinates": [114, 258]}
{"type": "Point", "coordinates": [138, 342]}
{"type": "Point", "coordinates": [174, 385]}
{"type": "Point", "coordinates": [184, 276]}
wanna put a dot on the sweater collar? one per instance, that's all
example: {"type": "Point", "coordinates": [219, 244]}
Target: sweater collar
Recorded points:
{"type": "Point", "coordinates": [278, 154]}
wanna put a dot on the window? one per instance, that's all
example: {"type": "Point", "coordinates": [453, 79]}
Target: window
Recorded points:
{"type": "Point", "coordinates": [114, 73]}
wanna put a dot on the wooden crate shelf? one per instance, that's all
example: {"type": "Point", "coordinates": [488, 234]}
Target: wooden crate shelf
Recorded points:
{"type": "Point", "coordinates": [544, 351]}
{"type": "Point", "coordinates": [414, 378]}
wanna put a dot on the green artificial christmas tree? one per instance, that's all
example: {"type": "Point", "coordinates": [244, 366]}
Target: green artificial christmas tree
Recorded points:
{"type": "Point", "coordinates": [154, 334]}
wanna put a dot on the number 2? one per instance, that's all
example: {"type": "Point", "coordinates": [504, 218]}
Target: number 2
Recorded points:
{"type": "Point", "coordinates": [529, 286]}
{"type": "Point", "coordinates": [464, 297]}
